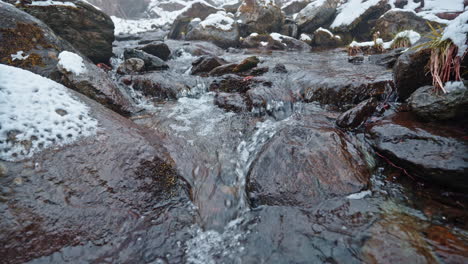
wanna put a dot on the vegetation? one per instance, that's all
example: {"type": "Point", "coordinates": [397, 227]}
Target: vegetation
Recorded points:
{"type": "Point", "coordinates": [445, 64]}
{"type": "Point", "coordinates": [401, 42]}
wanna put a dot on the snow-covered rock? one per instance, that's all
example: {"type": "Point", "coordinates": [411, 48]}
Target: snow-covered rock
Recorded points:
{"type": "Point", "coordinates": [37, 113]}
{"type": "Point", "coordinates": [316, 14]}
{"type": "Point", "coordinates": [219, 28]}
{"type": "Point", "coordinates": [260, 16]}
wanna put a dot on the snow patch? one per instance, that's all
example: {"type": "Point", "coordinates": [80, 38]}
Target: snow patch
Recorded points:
{"type": "Point", "coordinates": [220, 20]}
{"type": "Point", "coordinates": [52, 3]}
{"type": "Point", "coordinates": [454, 86]}
{"type": "Point", "coordinates": [19, 56]}
{"type": "Point", "coordinates": [37, 113]}
{"type": "Point", "coordinates": [352, 10]}
{"type": "Point", "coordinates": [359, 195]}
{"type": "Point", "coordinates": [71, 62]}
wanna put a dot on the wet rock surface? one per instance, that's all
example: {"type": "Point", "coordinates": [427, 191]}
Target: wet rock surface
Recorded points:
{"type": "Point", "coordinates": [356, 116]}
{"type": "Point", "coordinates": [432, 152]}
{"type": "Point", "coordinates": [241, 169]}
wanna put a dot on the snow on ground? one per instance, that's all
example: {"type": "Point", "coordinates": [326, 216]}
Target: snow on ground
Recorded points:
{"type": "Point", "coordinates": [413, 37]}
{"type": "Point", "coordinates": [71, 62]}
{"type": "Point", "coordinates": [456, 31]}
{"type": "Point", "coordinates": [37, 113]}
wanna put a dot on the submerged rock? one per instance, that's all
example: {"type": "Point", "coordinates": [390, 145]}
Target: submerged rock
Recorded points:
{"type": "Point", "coordinates": [304, 164]}
{"type": "Point", "coordinates": [88, 29]}
{"type": "Point", "coordinates": [428, 104]}
{"type": "Point", "coordinates": [232, 102]}
{"type": "Point", "coordinates": [432, 152]}
{"type": "Point", "coordinates": [130, 66]}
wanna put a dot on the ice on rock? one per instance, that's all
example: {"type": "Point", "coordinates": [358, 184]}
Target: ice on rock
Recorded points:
{"type": "Point", "coordinates": [37, 113]}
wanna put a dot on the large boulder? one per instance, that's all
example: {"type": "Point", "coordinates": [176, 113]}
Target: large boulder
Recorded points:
{"type": "Point", "coordinates": [428, 104]}
{"type": "Point", "coordinates": [51, 201]}
{"type": "Point", "coordinates": [40, 49]}
{"type": "Point", "coordinates": [152, 63]}
{"type": "Point", "coordinates": [259, 17]}
{"type": "Point", "coordinates": [394, 21]}
{"type": "Point", "coordinates": [219, 28]}
{"type": "Point", "coordinates": [199, 10]}
{"type": "Point", "coordinates": [316, 14]}
{"type": "Point", "coordinates": [293, 7]}
{"type": "Point", "coordinates": [324, 38]}
{"type": "Point", "coordinates": [205, 64]}
{"type": "Point", "coordinates": [410, 71]}
{"type": "Point", "coordinates": [429, 151]}
{"type": "Point", "coordinates": [88, 29]}
{"type": "Point", "coordinates": [305, 163]}
{"type": "Point", "coordinates": [358, 25]}
{"type": "Point", "coordinates": [274, 41]}
{"type": "Point", "coordinates": [160, 50]}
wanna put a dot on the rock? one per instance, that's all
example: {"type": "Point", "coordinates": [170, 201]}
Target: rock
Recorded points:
{"type": "Point", "coordinates": [361, 28]}
{"type": "Point", "coordinates": [356, 116]}
{"type": "Point", "coordinates": [312, 16]}
{"type": "Point", "coordinates": [162, 87]}
{"type": "Point", "coordinates": [325, 39]}
{"type": "Point", "coordinates": [197, 10]}
{"type": "Point", "coordinates": [114, 179]}
{"type": "Point", "coordinates": [387, 59]}
{"type": "Point", "coordinates": [356, 60]}
{"type": "Point", "coordinates": [400, 3]}
{"type": "Point", "coordinates": [294, 7]}
{"type": "Point", "coordinates": [280, 68]}
{"type": "Point", "coordinates": [232, 7]}
{"type": "Point", "coordinates": [152, 63]}
{"type": "Point", "coordinates": [219, 28]}
{"type": "Point", "coordinates": [392, 22]}
{"type": "Point", "coordinates": [430, 105]}
{"type": "Point", "coordinates": [264, 41]}
{"type": "Point", "coordinates": [42, 51]}
{"type": "Point", "coordinates": [160, 50]}
{"type": "Point", "coordinates": [429, 151]}
{"type": "Point", "coordinates": [223, 69]}
{"type": "Point", "coordinates": [205, 64]}
{"type": "Point", "coordinates": [259, 17]}
{"type": "Point", "coordinates": [247, 64]}
{"type": "Point", "coordinates": [88, 29]}
{"type": "Point", "coordinates": [288, 43]}
{"type": "Point", "coordinates": [410, 71]}
{"type": "Point", "coordinates": [231, 102]}
{"type": "Point", "coordinates": [231, 84]}
{"type": "Point", "coordinates": [130, 66]}
{"type": "Point", "coordinates": [304, 163]}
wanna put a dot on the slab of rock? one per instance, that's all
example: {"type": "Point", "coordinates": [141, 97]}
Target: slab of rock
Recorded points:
{"type": "Point", "coordinates": [205, 64]}
{"type": "Point", "coordinates": [431, 105]}
{"type": "Point", "coordinates": [180, 27]}
{"type": "Point", "coordinates": [312, 16]}
{"type": "Point", "coordinates": [130, 66]}
{"type": "Point", "coordinates": [429, 151]}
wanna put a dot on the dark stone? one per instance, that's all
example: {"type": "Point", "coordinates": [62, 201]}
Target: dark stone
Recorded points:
{"type": "Point", "coordinates": [431, 105]}
{"type": "Point", "coordinates": [280, 68]}
{"type": "Point", "coordinates": [356, 59]}
{"type": "Point", "coordinates": [410, 72]}
{"type": "Point", "coordinates": [160, 50]}
{"type": "Point", "coordinates": [89, 30]}
{"type": "Point", "coordinates": [247, 64]}
{"type": "Point", "coordinates": [356, 116]}
{"type": "Point", "coordinates": [429, 151]}
{"type": "Point", "coordinates": [159, 87]}
{"type": "Point", "coordinates": [205, 64]}
{"type": "Point", "coordinates": [223, 69]}
{"type": "Point", "coordinates": [130, 66]}
{"type": "Point", "coordinates": [324, 39]}
{"type": "Point", "coordinates": [231, 84]}
{"type": "Point", "coordinates": [231, 102]}
{"type": "Point", "coordinates": [152, 63]}
{"type": "Point", "coordinates": [305, 163]}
